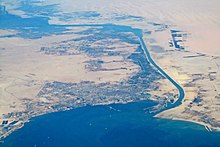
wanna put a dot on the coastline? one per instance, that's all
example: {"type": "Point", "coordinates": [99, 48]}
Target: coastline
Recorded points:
{"type": "Point", "coordinates": [207, 126]}
{"type": "Point", "coordinates": [138, 33]}
{"type": "Point", "coordinates": [97, 120]}
{"type": "Point", "coordinates": [177, 103]}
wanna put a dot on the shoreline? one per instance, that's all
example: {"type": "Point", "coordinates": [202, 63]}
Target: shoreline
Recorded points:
{"type": "Point", "coordinates": [178, 102]}
{"type": "Point", "coordinates": [206, 126]}
{"type": "Point", "coordinates": [138, 33]}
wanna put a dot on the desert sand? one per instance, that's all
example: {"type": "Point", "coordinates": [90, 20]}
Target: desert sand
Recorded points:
{"type": "Point", "coordinates": [196, 68]}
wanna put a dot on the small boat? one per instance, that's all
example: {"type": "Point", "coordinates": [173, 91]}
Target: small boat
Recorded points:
{"type": "Point", "coordinates": [208, 129]}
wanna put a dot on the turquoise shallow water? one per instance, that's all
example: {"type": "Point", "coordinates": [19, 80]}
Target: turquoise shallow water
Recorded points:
{"type": "Point", "coordinates": [124, 125]}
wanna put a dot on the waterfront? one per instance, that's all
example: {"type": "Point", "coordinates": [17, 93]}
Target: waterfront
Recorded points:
{"type": "Point", "coordinates": [113, 125]}
{"type": "Point", "coordinates": [49, 67]}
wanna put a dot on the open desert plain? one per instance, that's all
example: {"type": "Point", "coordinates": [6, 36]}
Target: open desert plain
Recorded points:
{"type": "Point", "coordinates": [109, 73]}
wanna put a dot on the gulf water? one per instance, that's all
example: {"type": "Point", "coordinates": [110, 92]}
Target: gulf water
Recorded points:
{"type": "Point", "coordinates": [117, 125]}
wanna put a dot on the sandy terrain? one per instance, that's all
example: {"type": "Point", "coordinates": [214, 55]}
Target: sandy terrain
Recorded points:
{"type": "Point", "coordinates": [201, 18]}
{"type": "Point", "coordinates": [198, 74]}
{"type": "Point", "coordinates": [25, 69]}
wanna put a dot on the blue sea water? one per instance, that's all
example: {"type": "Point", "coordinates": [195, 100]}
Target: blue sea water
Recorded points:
{"type": "Point", "coordinates": [117, 125]}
